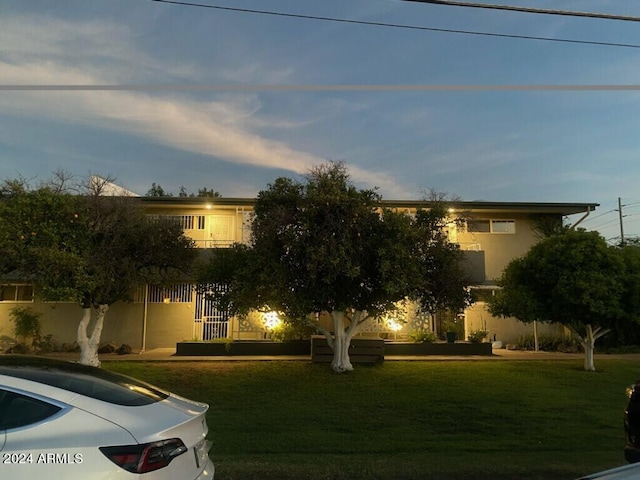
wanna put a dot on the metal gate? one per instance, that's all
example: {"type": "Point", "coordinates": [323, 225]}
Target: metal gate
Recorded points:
{"type": "Point", "coordinates": [209, 323]}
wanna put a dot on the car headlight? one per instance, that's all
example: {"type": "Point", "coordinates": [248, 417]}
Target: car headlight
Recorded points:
{"type": "Point", "coordinates": [631, 390]}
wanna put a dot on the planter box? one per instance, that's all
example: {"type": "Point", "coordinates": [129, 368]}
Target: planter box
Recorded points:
{"type": "Point", "coordinates": [361, 350]}
{"type": "Point", "coordinates": [239, 347]}
{"type": "Point", "coordinates": [418, 349]}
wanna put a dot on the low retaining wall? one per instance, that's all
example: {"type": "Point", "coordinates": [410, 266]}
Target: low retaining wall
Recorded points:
{"type": "Point", "coordinates": [248, 347]}
{"type": "Point", "coordinates": [361, 350]}
{"type": "Point", "coordinates": [368, 350]}
{"type": "Point", "coordinates": [419, 349]}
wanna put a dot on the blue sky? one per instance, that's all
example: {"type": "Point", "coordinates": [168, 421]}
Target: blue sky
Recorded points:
{"type": "Point", "coordinates": [527, 145]}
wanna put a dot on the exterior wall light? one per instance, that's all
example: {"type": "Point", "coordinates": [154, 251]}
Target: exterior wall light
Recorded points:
{"type": "Point", "coordinates": [271, 320]}
{"type": "Point", "coordinates": [394, 325]}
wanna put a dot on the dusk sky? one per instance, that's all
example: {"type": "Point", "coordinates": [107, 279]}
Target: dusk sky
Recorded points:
{"type": "Point", "coordinates": [255, 96]}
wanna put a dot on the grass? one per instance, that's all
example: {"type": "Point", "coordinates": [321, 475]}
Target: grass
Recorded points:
{"type": "Point", "coordinates": [405, 420]}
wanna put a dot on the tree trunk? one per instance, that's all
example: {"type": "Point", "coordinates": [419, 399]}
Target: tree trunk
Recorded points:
{"type": "Point", "coordinates": [588, 343]}
{"type": "Point", "coordinates": [89, 343]}
{"type": "Point", "coordinates": [341, 362]}
{"type": "Point", "coordinates": [342, 338]}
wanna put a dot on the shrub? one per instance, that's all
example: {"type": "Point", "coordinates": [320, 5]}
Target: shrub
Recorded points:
{"type": "Point", "coordinates": [549, 343]}
{"type": "Point", "coordinates": [623, 349]}
{"type": "Point", "coordinates": [423, 336]}
{"type": "Point", "coordinates": [26, 323]}
{"type": "Point", "coordinates": [477, 336]}
{"type": "Point", "coordinates": [45, 344]}
{"type": "Point", "coordinates": [286, 332]}
{"type": "Point", "coordinates": [227, 343]}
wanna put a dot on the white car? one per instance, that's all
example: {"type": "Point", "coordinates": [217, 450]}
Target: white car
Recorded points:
{"type": "Point", "coordinates": [625, 472]}
{"type": "Point", "coordinates": [63, 420]}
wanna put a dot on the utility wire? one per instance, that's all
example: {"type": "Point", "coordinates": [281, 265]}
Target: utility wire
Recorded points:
{"type": "Point", "coordinates": [610, 222]}
{"type": "Point", "coordinates": [395, 25]}
{"type": "Point", "coordinates": [600, 215]}
{"type": "Point", "coordinates": [569, 13]}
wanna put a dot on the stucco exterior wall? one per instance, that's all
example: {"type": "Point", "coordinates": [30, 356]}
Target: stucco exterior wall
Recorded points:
{"type": "Point", "coordinates": [500, 248]}
{"type": "Point", "coordinates": [167, 324]}
{"type": "Point", "coordinates": [57, 319]}
{"type": "Point", "coordinates": [506, 330]}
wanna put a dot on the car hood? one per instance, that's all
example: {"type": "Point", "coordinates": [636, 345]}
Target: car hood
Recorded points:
{"type": "Point", "coordinates": [172, 417]}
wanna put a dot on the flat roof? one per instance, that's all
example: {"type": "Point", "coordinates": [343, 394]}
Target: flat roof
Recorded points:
{"type": "Point", "coordinates": [516, 207]}
{"type": "Point", "coordinates": [561, 208]}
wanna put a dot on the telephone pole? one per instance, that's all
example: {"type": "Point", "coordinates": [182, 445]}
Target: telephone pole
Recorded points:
{"type": "Point", "coordinates": [621, 226]}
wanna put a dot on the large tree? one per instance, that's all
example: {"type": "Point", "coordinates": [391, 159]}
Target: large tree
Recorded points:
{"type": "Point", "coordinates": [80, 245]}
{"type": "Point", "coordinates": [323, 246]}
{"type": "Point", "coordinates": [575, 279]}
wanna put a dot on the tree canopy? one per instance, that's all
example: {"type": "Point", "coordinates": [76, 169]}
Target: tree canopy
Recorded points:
{"type": "Point", "coordinates": [324, 246]}
{"type": "Point", "coordinates": [88, 248]}
{"type": "Point", "coordinates": [575, 279]}
{"type": "Point", "coordinates": [156, 190]}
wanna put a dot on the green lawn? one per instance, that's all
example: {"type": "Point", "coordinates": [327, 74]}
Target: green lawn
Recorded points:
{"type": "Point", "coordinates": [405, 420]}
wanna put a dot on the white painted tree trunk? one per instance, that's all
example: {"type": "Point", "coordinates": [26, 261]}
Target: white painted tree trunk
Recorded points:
{"type": "Point", "coordinates": [588, 343]}
{"type": "Point", "coordinates": [342, 339]}
{"type": "Point", "coordinates": [90, 341]}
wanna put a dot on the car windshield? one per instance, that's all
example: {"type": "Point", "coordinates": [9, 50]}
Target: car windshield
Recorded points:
{"type": "Point", "coordinates": [88, 381]}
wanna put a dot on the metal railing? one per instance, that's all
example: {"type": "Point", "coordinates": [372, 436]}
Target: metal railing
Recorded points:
{"type": "Point", "coordinates": [206, 329]}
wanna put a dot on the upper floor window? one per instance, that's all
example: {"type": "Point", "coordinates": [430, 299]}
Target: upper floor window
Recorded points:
{"type": "Point", "coordinates": [491, 226]}
{"type": "Point", "coordinates": [187, 222]}
{"type": "Point", "coordinates": [16, 293]}
{"type": "Point", "coordinates": [483, 295]}
{"type": "Point", "coordinates": [191, 222]}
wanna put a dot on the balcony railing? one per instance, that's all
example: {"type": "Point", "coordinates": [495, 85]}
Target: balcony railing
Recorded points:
{"type": "Point", "coordinates": [474, 247]}
{"type": "Point", "coordinates": [214, 243]}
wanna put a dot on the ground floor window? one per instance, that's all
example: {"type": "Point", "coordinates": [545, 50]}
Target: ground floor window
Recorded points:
{"type": "Point", "coordinates": [16, 293]}
{"type": "Point", "coordinates": [182, 292]}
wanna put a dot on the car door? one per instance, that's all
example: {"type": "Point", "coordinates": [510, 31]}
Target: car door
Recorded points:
{"type": "Point", "coordinates": [3, 433]}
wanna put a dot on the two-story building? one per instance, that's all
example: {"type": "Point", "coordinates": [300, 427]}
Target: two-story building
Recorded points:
{"type": "Point", "coordinates": [492, 234]}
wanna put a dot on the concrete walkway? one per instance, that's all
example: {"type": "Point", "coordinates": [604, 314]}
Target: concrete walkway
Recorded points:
{"type": "Point", "coordinates": [168, 355]}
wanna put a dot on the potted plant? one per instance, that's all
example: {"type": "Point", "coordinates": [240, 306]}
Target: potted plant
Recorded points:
{"type": "Point", "coordinates": [450, 331]}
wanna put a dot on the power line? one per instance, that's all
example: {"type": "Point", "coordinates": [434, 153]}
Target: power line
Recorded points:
{"type": "Point", "coordinates": [569, 13]}
{"type": "Point", "coordinates": [609, 222]}
{"type": "Point", "coordinates": [600, 215]}
{"type": "Point", "coordinates": [234, 87]}
{"type": "Point", "coordinates": [395, 25]}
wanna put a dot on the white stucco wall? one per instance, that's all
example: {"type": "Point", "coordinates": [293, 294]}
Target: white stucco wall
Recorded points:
{"type": "Point", "coordinates": [507, 330]}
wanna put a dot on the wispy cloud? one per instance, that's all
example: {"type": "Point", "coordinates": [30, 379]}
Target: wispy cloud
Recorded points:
{"type": "Point", "coordinates": [225, 129]}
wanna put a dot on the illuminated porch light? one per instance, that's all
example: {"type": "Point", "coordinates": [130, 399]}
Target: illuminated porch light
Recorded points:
{"type": "Point", "coordinates": [394, 325]}
{"type": "Point", "coordinates": [271, 320]}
